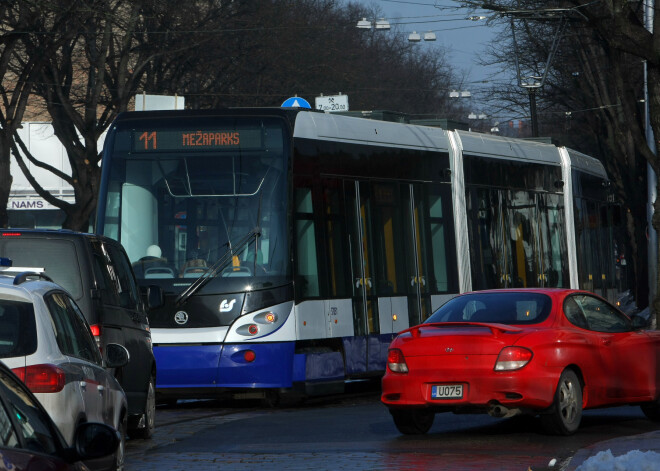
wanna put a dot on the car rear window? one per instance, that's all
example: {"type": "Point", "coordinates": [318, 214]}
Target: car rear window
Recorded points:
{"type": "Point", "coordinates": [18, 332]}
{"type": "Point", "coordinates": [500, 308]}
{"type": "Point", "coordinates": [57, 257]}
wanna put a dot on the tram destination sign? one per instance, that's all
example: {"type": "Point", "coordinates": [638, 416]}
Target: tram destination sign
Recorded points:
{"type": "Point", "coordinates": [196, 140]}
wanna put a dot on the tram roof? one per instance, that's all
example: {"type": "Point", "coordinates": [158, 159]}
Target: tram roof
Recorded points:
{"type": "Point", "coordinates": [498, 147]}
{"type": "Point", "coordinates": [586, 163]}
{"type": "Point", "coordinates": [313, 124]}
{"type": "Point", "coordinates": [339, 128]}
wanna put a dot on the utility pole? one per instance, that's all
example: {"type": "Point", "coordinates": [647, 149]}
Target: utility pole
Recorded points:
{"type": "Point", "coordinates": [532, 111]}
{"type": "Point", "coordinates": [532, 83]}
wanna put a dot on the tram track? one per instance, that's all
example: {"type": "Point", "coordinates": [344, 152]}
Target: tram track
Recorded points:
{"type": "Point", "coordinates": [193, 417]}
{"type": "Point", "coordinates": [205, 409]}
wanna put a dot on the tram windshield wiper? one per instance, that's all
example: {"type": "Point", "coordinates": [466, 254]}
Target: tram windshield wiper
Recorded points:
{"type": "Point", "coordinates": [218, 266]}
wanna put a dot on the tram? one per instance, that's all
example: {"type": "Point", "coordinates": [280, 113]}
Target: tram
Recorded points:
{"type": "Point", "coordinates": [292, 245]}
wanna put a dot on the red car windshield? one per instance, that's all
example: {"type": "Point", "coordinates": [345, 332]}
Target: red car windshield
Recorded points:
{"type": "Point", "coordinates": [501, 308]}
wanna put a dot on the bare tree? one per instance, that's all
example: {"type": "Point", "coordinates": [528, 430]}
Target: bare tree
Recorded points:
{"type": "Point", "coordinates": [590, 99]}
{"type": "Point", "coordinates": [17, 70]}
{"type": "Point", "coordinates": [99, 53]}
{"type": "Point", "coordinates": [270, 51]}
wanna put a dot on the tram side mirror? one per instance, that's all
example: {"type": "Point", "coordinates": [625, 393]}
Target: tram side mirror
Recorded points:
{"type": "Point", "coordinates": [154, 297]}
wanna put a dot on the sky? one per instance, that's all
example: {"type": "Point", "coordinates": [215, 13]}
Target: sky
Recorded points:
{"type": "Point", "coordinates": [463, 39]}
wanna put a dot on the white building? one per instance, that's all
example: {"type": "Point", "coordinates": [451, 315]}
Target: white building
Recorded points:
{"type": "Point", "coordinates": [26, 208]}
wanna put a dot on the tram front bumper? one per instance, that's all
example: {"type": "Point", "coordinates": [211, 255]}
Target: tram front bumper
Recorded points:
{"type": "Point", "coordinates": [245, 365]}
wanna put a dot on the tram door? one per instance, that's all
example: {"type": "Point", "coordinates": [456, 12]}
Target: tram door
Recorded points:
{"type": "Point", "coordinates": [553, 271]}
{"type": "Point", "coordinates": [523, 240]}
{"type": "Point", "coordinates": [386, 235]}
{"type": "Point", "coordinates": [417, 255]}
{"type": "Point", "coordinates": [365, 302]}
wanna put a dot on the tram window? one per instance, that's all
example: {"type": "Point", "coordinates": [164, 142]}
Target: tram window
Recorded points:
{"type": "Point", "coordinates": [553, 250]}
{"type": "Point", "coordinates": [440, 236]}
{"type": "Point", "coordinates": [521, 209]}
{"type": "Point", "coordinates": [485, 226]}
{"type": "Point", "coordinates": [335, 258]}
{"type": "Point", "coordinates": [304, 201]}
{"type": "Point", "coordinates": [387, 233]}
{"type": "Point", "coordinates": [307, 270]}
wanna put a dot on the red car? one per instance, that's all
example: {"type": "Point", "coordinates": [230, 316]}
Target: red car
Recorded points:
{"type": "Point", "coordinates": [546, 352]}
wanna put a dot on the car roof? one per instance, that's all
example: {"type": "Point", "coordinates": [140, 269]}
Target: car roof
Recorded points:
{"type": "Point", "coordinates": [26, 288]}
{"type": "Point", "coordinates": [47, 232]}
{"type": "Point", "coordinates": [54, 234]}
{"type": "Point", "coordinates": [548, 291]}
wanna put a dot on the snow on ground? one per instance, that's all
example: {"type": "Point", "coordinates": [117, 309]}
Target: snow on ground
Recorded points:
{"type": "Point", "coordinates": [632, 461]}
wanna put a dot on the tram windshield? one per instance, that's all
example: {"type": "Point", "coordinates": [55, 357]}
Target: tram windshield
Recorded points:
{"type": "Point", "coordinates": [179, 208]}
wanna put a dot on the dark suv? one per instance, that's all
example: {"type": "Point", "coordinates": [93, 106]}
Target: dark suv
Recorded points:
{"type": "Point", "coordinates": [97, 273]}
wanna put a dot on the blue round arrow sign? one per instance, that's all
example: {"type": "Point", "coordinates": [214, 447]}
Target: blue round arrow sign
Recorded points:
{"type": "Point", "coordinates": [296, 102]}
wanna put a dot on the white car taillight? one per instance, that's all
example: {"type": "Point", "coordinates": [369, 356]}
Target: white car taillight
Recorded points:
{"type": "Point", "coordinates": [44, 378]}
{"type": "Point", "coordinates": [396, 362]}
{"type": "Point", "coordinates": [513, 358]}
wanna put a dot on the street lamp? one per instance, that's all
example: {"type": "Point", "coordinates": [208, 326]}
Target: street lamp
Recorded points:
{"type": "Point", "coordinates": [532, 84]}
{"type": "Point", "coordinates": [415, 37]}
{"type": "Point", "coordinates": [381, 23]}
{"type": "Point", "coordinates": [459, 94]}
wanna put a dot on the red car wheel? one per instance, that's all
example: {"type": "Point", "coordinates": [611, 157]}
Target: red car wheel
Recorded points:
{"type": "Point", "coordinates": [566, 412]}
{"type": "Point", "coordinates": [412, 421]}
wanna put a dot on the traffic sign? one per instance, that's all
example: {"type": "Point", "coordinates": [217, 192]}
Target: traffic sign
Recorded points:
{"type": "Point", "coordinates": [332, 103]}
{"type": "Point", "coordinates": [296, 102]}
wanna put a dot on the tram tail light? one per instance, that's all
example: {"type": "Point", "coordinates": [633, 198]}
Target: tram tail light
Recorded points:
{"type": "Point", "coordinates": [253, 329]}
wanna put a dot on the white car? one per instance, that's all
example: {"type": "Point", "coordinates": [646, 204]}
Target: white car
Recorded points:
{"type": "Point", "coordinates": [46, 341]}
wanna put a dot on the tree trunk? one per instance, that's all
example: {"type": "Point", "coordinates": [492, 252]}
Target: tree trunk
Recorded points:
{"type": "Point", "coordinates": [5, 176]}
{"type": "Point", "coordinates": [5, 185]}
{"type": "Point", "coordinates": [86, 188]}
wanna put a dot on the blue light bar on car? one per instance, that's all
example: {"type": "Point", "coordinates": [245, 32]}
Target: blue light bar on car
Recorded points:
{"type": "Point", "coordinates": [5, 262]}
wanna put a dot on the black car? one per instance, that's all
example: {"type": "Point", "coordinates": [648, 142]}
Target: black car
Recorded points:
{"type": "Point", "coordinates": [96, 271]}
{"type": "Point", "coordinates": [30, 441]}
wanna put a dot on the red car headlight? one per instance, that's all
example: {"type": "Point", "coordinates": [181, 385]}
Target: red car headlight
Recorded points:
{"type": "Point", "coordinates": [513, 358]}
{"type": "Point", "coordinates": [396, 362]}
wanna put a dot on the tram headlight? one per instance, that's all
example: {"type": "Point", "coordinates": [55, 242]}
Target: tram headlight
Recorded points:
{"type": "Point", "coordinates": [266, 318]}
{"type": "Point", "coordinates": [260, 324]}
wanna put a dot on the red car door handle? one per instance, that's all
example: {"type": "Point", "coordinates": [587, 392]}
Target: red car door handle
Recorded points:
{"type": "Point", "coordinates": [606, 341]}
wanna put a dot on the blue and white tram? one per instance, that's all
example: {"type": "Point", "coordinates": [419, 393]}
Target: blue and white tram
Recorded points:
{"type": "Point", "coordinates": [292, 245]}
